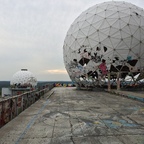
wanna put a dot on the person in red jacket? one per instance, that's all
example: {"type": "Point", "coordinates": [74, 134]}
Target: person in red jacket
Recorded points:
{"type": "Point", "coordinates": [103, 68]}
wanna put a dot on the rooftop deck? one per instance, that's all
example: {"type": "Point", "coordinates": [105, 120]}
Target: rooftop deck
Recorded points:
{"type": "Point", "coordinates": [70, 116]}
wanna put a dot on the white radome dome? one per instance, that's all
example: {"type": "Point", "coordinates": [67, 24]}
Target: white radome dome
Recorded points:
{"type": "Point", "coordinates": [23, 78]}
{"type": "Point", "coordinates": [110, 32]}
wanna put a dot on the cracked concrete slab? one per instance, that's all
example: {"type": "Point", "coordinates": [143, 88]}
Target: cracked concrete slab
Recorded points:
{"type": "Point", "coordinates": [73, 116]}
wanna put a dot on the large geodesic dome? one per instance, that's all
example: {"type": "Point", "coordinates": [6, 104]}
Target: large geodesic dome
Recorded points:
{"type": "Point", "coordinates": [23, 79]}
{"type": "Point", "coordinates": [106, 38]}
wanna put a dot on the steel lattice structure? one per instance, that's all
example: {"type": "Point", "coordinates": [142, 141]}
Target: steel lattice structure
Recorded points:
{"type": "Point", "coordinates": [108, 37]}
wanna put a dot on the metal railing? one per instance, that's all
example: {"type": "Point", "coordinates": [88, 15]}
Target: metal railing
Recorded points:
{"type": "Point", "coordinates": [13, 106]}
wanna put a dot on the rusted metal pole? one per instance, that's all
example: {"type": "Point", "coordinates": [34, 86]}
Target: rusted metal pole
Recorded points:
{"type": "Point", "coordinates": [109, 85]}
{"type": "Point", "coordinates": [118, 81]}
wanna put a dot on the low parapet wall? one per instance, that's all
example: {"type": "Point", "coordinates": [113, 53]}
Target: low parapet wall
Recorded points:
{"type": "Point", "coordinates": [13, 106]}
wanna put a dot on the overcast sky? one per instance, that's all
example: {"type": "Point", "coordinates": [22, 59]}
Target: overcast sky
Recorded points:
{"type": "Point", "coordinates": [32, 34]}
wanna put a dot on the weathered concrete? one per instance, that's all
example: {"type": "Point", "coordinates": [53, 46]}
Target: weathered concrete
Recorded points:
{"type": "Point", "coordinates": [135, 95]}
{"type": "Point", "coordinates": [72, 116]}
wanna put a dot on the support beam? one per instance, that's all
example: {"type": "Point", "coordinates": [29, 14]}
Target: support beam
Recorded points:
{"type": "Point", "coordinates": [118, 81]}
{"type": "Point", "coordinates": [109, 84]}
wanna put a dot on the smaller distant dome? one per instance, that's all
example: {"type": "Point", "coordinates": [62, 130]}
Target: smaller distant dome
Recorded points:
{"type": "Point", "coordinates": [23, 78]}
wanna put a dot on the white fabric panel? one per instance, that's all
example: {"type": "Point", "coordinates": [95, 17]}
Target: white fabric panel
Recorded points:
{"type": "Point", "coordinates": [115, 15]}
{"type": "Point", "coordinates": [93, 43]}
{"type": "Point", "coordinates": [98, 24]}
{"type": "Point", "coordinates": [92, 30]}
{"type": "Point", "coordinates": [89, 20]}
{"type": "Point", "coordinates": [115, 42]}
{"type": "Point", "coordinates": [137, 19]}
{"type": "Point", "coordinates": [99, 9]}
{"type": "Point", "coordinates": [122, 24]}
{"type": "Point", "coordinates": [73, 46]}
{"type": "Point", "coordinates": [81, 41]}
{"type": "Point", "coordinates": [133, 21]}
{"type": "Point", "coordinates": [85, 30]}
{"type": "Point", "coordinates": [117, 35]}
{"type": "Point", "coordinates": [113, 31]}
{"type": "Point", "coordinates": [86, 42]}
{"type": "Point", "coordinates": [122, 45]}
{"type": "Point", "coordinates": [125, 12]}
{"type": "Point", "coordinates": [127, 30]}
{"type": "Point", "coordinates": [94, 36]}
{"type": "Point", "coordinates": [74, 28]}
{"type": "Point", "coordinates": [142, 21]}
{"type": "Point", "coordinates": [116, 24]}
{"type": "Point", "coordinates": [79, 24]}
{"type": "Point", "coordinates": [71, 40]}
{"type": "Point", "coordinates": [142, 34]}
{"type": "Point", "coordinates": [85, 24]}
{"type": "Point", "coordinates": [109, 13]}
{"type": "Point", "coordinates": [124, 34]}
{"type": "Point", "coordinates": [102, 14]}
{"type": "Point", "coordinates": [122, 53]}
{"type": "Point", "coordinates": [103, 6]}
{"type": "Point", "coordinates": [97, 19]}
{"type": "Point", "coordinates": [110, 6]}
{"type": "Point", "coordinates": [137, 34]}
{"type": "Point", "coordinates": [113, 7]}
{"type": "Point", "coordinates": [75, 34]}
{"type": "Point", "coordinates": [92, 10]}
{"type": "Point", "coordinates": [81, 34]}
{"type": "Point", "coordinates": [107, 42]}
{"type": "Point", "coordinates": [133, 29]}
{"type": "Point", "coordinates": [105, 24]}
{"type": "Point", "coordinates": [136, 50]}
{"type": "Point", "coordinates": [105, 31]}
{"type": "Point", "coordinates": [128, 41]}
{"type": "Point", "coordinates": [126, 19]}
{"type": "Point", "coordinates": [88, 16]}
{"type": "Point", "coordinates": [102, 36]}
{"type": "Point", "coordinates": [134, 42]}
{"type": "Point", "coordinates": [141, 50]}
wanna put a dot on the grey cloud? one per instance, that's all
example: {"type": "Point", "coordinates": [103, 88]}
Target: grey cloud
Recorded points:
{"type": "Point", "coordinates": [32, 33]}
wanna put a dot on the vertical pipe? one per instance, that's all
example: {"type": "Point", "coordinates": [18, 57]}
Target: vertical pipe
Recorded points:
{"type": "Point", "coordinates": [109, 85]}
{"type": "Point", "coordinates": [17, 105]}
{"type": "Point", "coordinates": [22, 102]}
{"type": "Point", "coordinates": [118, 81]}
